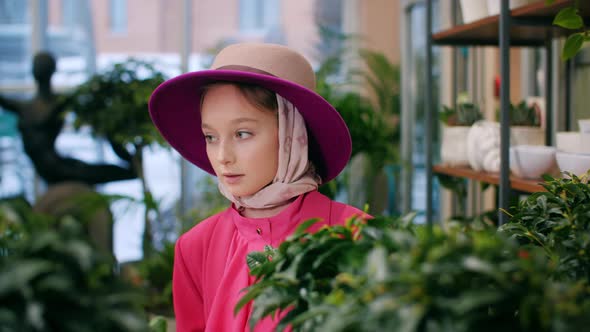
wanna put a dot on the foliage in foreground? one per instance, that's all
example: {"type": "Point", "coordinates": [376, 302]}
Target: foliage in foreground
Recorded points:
{"type": "Point", "coordinates": [52, 279]}
{"type": "Point", "coordinates": [558, 221]}
{"type": "Point", "coordinates": [390, 275]}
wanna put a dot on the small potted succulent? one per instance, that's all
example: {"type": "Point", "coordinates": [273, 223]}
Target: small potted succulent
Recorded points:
{"type": "Point", "coordinates": [525, 125]}
{"type": "Point", "coordinates": [456, 124]}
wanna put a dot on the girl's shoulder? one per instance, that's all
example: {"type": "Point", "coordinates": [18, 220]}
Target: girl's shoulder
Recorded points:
{"type": "Point", "coordinates": [338, 212]}
{"type": "Point", "coordinates": [342, 212]}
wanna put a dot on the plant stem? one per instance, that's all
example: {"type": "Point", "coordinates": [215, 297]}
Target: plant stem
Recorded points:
{"type": "Point", "coordinates": [146, 241]}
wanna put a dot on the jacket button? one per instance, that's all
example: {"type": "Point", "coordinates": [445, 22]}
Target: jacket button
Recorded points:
{"type": "Point", "coordinates": [259, 230]}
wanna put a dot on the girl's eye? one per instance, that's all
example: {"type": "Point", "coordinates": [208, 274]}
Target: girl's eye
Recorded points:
{"type": "Point", "coordinates": [243, 134]}
{"type": "Point", "coordinates": [210, 138]}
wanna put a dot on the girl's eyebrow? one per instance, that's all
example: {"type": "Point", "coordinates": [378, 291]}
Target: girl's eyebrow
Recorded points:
{"type": "Point", "coordinates": [234, 121]}
{"type": "Point", "coordinates": [240, 120]}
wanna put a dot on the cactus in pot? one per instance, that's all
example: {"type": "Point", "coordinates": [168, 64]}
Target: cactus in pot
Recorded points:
{"type": "Point", "coordinates": [525, 124]}
{"type": "Point", "coordinates": [465, 114]}
{"type": "Point", "coordinates": [523, 114]}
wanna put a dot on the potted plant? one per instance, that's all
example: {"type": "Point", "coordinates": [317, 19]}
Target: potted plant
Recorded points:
{"type": "Point", "coordinates": [525, 125]}
{"type": "Point", "coordinates": [456, 124]}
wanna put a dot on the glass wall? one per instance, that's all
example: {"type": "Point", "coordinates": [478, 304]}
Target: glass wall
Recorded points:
{"type": "Point", "coordinates": [88, 37]}
{"type": "Point", "coordinates": [414, 79]}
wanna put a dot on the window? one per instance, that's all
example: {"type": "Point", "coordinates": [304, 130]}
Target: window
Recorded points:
{"type": "Point", "coordinates": [413, 179]}
{"type": "Point", "coordinates": [258, 16]}
{"type": "Point", "coordinates": [13, 12]}
{"type": "Point", "coordinates": [69, 13]}
{"type": "Point", "coordinates": [118, 16]}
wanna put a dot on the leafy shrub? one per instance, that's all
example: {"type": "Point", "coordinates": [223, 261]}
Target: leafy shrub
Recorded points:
{"type": "Point", "coordinates": [384, 276]}
{"type": "Point", "coordinates": [52, 279]}
{"type": "Point", "coordinates": [156, 277]}
{"type": "Point", "coordinates": [558, 221]}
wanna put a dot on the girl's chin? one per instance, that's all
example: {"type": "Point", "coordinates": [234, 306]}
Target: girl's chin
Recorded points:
{"type": "Point", "coordinates": [242, 193]}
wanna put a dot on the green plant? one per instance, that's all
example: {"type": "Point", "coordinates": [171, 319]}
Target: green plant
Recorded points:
{"type": "Point", "coordinates": [373, 125]}
{"type": "Point", "coordinates": [155, 274]}
{"type": "Point", "coordinates": [558, 221]}
{"type": "Point", "coordinates": [52, 279]}
{"type": "Point", "coordinates": [114, 105]}
{"type": "Point", "coordinates": [158, 324]}
{"type": "Point", "coordinates": [384, 276]}
{"type": "Point", "coordinates": [523, 114]}
{"type": "Point", "coordinates": [570, 18]}
{"type": "Point", "coordinates": [465, 114]}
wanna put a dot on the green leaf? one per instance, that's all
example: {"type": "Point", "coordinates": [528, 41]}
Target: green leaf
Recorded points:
{"type": "Point", "coordinates": [22, 273]}
{"type": "Point", "coordinates": [158, 324]}
{"type": "Point", "coordinates": [255, 259]}
{"type": "Point", "coordinates": [568, 18]}
{"type": "Point", "coordinates": [573, 44]}
{"type": "Point", "coordinates": [302, 228]}
{"type": "Point", "coordinates": [252, 293]}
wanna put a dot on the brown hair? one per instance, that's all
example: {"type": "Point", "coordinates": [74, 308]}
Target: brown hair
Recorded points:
{"type": "Point", "coordinates": [258, 96]}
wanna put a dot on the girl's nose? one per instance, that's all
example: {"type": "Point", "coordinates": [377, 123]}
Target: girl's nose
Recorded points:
{"type": "Point", "coordinates": [225, 153]}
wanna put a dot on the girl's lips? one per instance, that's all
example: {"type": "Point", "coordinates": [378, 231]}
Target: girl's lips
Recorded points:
{"type": "Point", "coordinates": [232, 178]}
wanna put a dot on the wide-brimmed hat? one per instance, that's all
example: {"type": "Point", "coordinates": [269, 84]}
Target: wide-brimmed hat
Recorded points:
{"type": "Point", "coordinates": [175, 105]}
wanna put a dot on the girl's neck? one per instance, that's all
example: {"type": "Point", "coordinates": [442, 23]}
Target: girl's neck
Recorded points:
{"type": "Point", "coordinates": [264, 213]}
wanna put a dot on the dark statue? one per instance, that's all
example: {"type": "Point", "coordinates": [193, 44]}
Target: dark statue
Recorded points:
{"type": "Point", "coordinates": [40, 121]}
{"type": "Point", "coordinates": [69, 180]}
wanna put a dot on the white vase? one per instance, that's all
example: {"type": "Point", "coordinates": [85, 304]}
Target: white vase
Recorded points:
{"type": "Point", "coordinates": [494, 5]}
{"type": "Point", "coordinates": [473, 10]}
{"type": "Point", "coordinates": [453, 150]}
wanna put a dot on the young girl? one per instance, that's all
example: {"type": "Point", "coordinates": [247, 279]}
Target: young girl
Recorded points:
{"type": "Point", "coordinates": [255, 122]}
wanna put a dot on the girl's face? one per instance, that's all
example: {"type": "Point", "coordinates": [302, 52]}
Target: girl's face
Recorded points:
{"type": "Point", "coordinates": [242, 140]}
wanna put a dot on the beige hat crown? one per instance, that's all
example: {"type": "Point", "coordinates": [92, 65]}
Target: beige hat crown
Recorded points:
{"type": "Point", "coordinates": [273, 59]}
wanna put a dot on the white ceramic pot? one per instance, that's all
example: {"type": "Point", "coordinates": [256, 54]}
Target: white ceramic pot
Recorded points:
{"type": "Point", "coordinates": [584, 125]}
{"type": "Point", "coordinates": [532, 161]}
{"type": "Point", "coordinates": [572, 142]}
{"type": "Point", "coordinates": [575, 163]}
{"type": "Point", "coordinates": [473, 10]}
{"type": "Point", "coordinates": [524, 135]}
{"type": "Point", "coordinates": [453, 151]}
{"type": "Point", "coordinates": [494, 5]}
{"type": "Point", "coordinates": [483, 143]}
{"type": "Point", "coordinates": [520, 3]}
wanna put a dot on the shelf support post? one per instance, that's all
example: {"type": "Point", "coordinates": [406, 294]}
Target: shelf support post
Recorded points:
{"type": "Point", "coordinates": [504, 111]}
{"type": "Point", "coordinates": [428, 116]}
{"type": "Point", "coordinates": [549, 90]}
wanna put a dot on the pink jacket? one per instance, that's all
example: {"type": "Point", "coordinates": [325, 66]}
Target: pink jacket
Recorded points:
{"type": "Point", "coordinates": [210, 269]}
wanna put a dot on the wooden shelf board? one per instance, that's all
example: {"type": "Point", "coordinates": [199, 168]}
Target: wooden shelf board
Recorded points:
{"type": "Point", "coordinates": [529, 186]}
{"type": "Point", "coordinates": [530, 27]}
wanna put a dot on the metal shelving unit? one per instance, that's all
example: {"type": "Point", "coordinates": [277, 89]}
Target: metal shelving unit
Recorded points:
{"type": "Point", "coordinates": [530, 25]}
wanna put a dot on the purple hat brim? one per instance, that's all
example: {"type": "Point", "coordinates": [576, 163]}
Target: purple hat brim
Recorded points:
{"type": "Point", "coordinates": [175, 110]}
